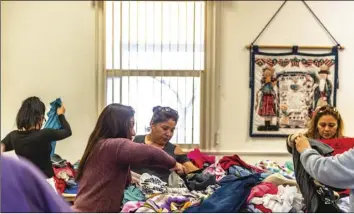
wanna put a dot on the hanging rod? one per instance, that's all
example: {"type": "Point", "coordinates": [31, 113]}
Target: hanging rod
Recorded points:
{"type": "Point", "coordinates": [307, 47]}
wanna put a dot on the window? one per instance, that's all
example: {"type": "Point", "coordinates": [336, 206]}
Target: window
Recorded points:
{"type": "Point", "coordinates": [155, 56]}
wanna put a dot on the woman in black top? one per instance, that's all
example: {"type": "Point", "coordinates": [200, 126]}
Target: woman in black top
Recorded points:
{"type": "Point", "coordinates": [163, 123]}
{"type": "Point", "coordinates": [32, 142]}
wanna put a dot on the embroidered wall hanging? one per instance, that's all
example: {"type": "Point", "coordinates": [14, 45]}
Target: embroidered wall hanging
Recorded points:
{"type": "Point", "coordinates": [287, 87]}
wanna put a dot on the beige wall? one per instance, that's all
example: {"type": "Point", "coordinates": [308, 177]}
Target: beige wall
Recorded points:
{"type": "Point", "coordinates": [241, 21]}
{"type": "Point", "coordinates": [48, 50]}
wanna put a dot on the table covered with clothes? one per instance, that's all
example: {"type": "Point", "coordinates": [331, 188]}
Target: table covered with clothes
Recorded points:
{"type": "Point", "coordinates": [230, 185]}
{"type": "Point", "coordinates": [227, 185]}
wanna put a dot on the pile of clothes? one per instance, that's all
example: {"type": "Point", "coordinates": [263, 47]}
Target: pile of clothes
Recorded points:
{"type": "Point", "coordinates": [64, 175]}
{"type": "Point", "coordinates": [153, 195]}
{"type": "Point", "coordinates": [229, 185]}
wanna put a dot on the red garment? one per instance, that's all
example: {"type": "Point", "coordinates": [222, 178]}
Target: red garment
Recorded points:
{"type": "Point", "coordinates": [60, 185]}
{"type": "Point", "coordinates": [261, 189]}
{"type": "Point", "coordinates": [199, 158]}
{"type": "Point", "coordinates": [267, 106]}
{"type": "Point", "coordinates": [340, 145]}
{"type": "Point", "coordinates": [228, 161]}
{"type": "Point", "coordinates": [262, 208]}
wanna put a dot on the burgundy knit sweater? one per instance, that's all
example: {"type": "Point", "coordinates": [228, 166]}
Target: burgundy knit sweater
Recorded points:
{"type": "Point", "coordinates": [107, 171]}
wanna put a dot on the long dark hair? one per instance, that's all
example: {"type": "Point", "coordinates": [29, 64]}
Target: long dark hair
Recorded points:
{"type": "Point", "coordinates": [30, 113]}
{"type": "Point", "coordinates": [113, 122]}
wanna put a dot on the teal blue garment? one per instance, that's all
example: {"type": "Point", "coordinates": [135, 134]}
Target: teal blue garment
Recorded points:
{"type": "Point", "coordinates": [53, 120]}
{"type": "Point", "coordinates": [289, 165]}
{"type": "Point", "coordinates": [133, 193]}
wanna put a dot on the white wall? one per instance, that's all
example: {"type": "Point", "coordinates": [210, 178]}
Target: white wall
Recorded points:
{"type": "Point", "coordinates": [241, 21]}
{"type": "Point", "coordinates": [48, 50]}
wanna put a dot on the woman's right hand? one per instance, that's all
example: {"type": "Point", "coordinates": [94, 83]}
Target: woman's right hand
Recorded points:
{"type": "Point", "coordinates": [302, 143]}
{"type": "Point", "coordinates": [291, 141]}
{"type": "Point", "coordinates": [61, 110]}
{"type": "Point", "coordinates": [179, 168]}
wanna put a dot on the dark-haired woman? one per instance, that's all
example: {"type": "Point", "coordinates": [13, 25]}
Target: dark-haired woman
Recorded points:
{"type": "Point", "coordinates": [104, 169]}
{"type": "Point", "coordinates": [163, 124]}
{"type": "Point", "coordinates": [32, 142]}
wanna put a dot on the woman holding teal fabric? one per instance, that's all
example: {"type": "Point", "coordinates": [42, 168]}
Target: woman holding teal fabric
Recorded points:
{"type": "Point", "coordinates": [53, 120]}
{"type": "Point", "coordinates": [32, 142]}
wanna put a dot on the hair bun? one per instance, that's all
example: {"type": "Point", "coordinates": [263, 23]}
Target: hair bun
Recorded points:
{"type": "Point", "coordinates": [156, 108]}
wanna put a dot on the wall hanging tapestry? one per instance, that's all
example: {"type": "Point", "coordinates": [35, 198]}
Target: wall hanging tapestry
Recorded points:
{"type": "Point", "coordinates": [287, 87]}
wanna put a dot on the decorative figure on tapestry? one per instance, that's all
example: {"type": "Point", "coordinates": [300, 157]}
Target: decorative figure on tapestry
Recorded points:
{"type": "Point", "coordinates": [287, 88]}
{"type": "Point", "coordinates": [267, 106]}
{"type": "Point", "coordinates": [323, 88]}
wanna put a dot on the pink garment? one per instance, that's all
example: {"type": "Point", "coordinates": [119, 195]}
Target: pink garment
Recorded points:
{"type": "Point", "coordinates": [218, 171]}
{"type": "Point", "coordinates": [132, 206]}
{"type": "Point", "coordinates": [199, 158]}
{"type": "Point", "coordinates": [64, 172]}
{"type": "Point", "coordinates": [261, 189]}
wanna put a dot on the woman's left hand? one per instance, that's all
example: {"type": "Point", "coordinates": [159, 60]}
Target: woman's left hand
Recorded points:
{"type": "Point", "coordinates": [179, 168]}
{"type": "Point", "coordinates": [302, 143]}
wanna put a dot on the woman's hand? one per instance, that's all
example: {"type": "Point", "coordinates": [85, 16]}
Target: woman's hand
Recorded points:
{"type": "Point", "coordinates": [179, 168]}
{"type": "Point", "coordinates": [291, 141]}
{"type": "Point", "coordinates": [61, 110]}
{"type": "Point", "coordinates": [302, 143]}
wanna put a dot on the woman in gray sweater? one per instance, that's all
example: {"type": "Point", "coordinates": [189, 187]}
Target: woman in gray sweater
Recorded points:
{"type": "Point", "coordinates": [336, 171]}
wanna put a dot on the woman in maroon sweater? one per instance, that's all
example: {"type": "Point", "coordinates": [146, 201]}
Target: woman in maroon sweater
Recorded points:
{"type": "Point", "coordinates": [104, 169]}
